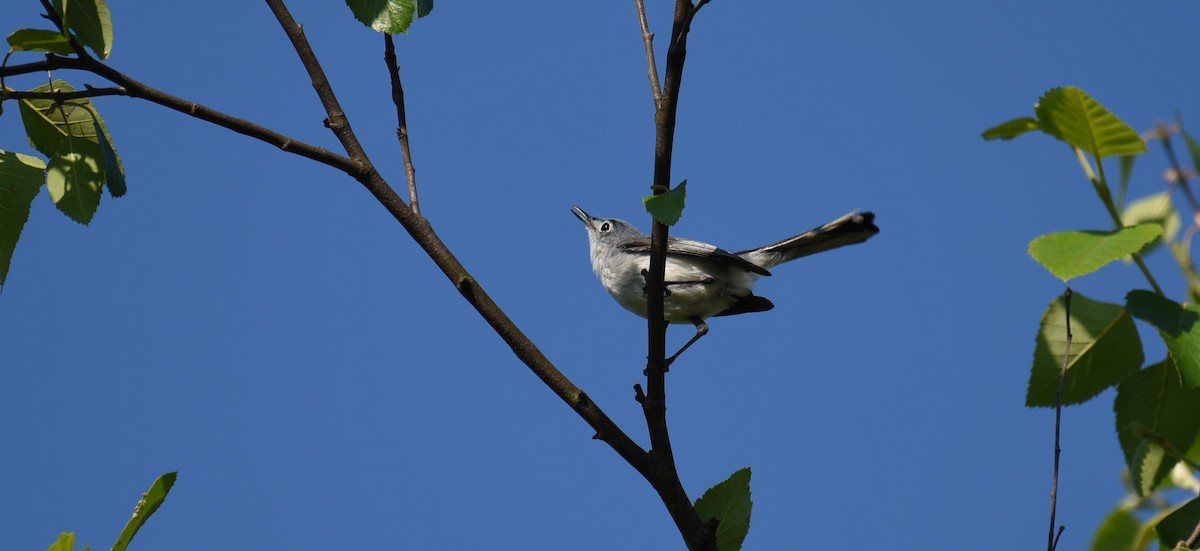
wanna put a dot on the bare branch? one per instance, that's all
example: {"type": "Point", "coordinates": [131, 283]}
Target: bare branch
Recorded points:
{"type": "Point", "coordinates": [88, 92]}
{"type": "Point", "coordinates": [422, 232]}
{"type": "Point", "coordinates": [410, 172]}
{"type": "Point", "coordinates": [697, 534]}
{"type": "Point", "coordinates": [358, 167]}
{"type": "Point", "coordinates": [648, 41]}
{"type": "Point", "coordinates": [1052, 542]}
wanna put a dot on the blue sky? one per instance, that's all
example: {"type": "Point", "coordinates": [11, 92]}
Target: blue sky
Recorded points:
{"type": "Point", "coordinates": [257, 323]}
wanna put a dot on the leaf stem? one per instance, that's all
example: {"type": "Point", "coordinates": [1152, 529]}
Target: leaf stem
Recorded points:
{"type": "Point", "coordinates": [1100, 184]}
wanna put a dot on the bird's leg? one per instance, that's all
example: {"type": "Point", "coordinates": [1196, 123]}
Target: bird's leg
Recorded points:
{"type": "Point", "coordinates": [701, 330]}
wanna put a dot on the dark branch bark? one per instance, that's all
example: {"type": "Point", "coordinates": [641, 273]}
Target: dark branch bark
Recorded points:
{"type": "Point", "coordinates": [89, 92]}
{"type": "Point", "coordinates": [410, 171]}
{"type": "Point", "coordinates": [657, 466]}
{"type": "Point", "coordinates": [359, 167]}
{"type": "Point", "coordinates": [697, 534]}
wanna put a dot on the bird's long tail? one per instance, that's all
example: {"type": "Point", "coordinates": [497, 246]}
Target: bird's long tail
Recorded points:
{"type": "Point", "coordinates": [850, 229]}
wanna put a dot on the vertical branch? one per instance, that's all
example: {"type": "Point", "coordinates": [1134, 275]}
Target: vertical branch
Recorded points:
{"type": "Point", "coordinates": [410, 172]}
{"type": "Point", "coordinates": [697, 534]}
{"type": "Point", "coordinates": [1052, 543]}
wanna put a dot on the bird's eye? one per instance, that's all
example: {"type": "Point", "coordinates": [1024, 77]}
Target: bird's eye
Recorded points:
{"type": "Point", "coordinates": [604, 226]}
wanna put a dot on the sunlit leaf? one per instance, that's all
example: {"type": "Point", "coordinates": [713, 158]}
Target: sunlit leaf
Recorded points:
{"type": "Point", "coordinates": [149, 503]}
{"type": "Point", "coordinates": [1105, 349]}
{"type": "Point", "coordinates": [1156, 208]}
{"type": "Point", "coordinates": [1118, 532]}
{"type": "Point", "coordinates": [1011, 129]}
{"type": "Point", "coordinates": [39, 40]}
{"type": "Point", "coordinates": [1071, 254]}
{"type": "Point", "coordinates": [74, 178]}
{"type": "Point", "coordinates": [1148, 459]}
{"type": "Point", "coordinates": [667, 207]}
{"type": "Point", "coordinates": [1072, 116]}
{"type": "Point", "coordinates": [65, 542]}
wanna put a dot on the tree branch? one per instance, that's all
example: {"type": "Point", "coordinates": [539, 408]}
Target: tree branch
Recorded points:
{"type": "Point", "coordinates": [410, 172]}
{"type": "Point", "coordinates": [648, 42]}
{"type": "Point", "coordinates": [136, 89]}
{"type": "Point", "coordinates": [359, 167]}
{"type": "Point", "coordinates": [1052, 542]}
{"type": "Point", "coordinates": [422, 232]}
{"type": "Point", "coordinates": [697, 534]}
{"type": "Point", "coordinates": [88, 92]}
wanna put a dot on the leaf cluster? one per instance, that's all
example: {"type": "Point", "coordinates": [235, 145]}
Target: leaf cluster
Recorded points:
{"type": "Point", "coordinates": [1093, 345]}
{"type": "Point", "coordinates": [79, 159]}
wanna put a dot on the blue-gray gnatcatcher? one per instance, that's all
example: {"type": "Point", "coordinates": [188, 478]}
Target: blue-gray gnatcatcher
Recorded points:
{"type": "Point", "coordinates": [702, 280]}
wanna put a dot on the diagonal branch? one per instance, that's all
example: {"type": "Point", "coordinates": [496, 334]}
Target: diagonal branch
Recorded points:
{"type": "Point", "coordinates": [410, 172]}
{"type": "Point", "coordinates": [359, 167]}
{"type": "Point", "coordinates": [422, 232]}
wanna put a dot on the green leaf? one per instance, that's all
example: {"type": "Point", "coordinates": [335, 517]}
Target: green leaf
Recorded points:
{"type": "Point", "coordinates": [39, 40]}
{"type": "Point", "coordinates": [1148, 459]}
{"type": "Point", "coordinates": [1072, 116]}
{"type": "Point", "coordinates": [74, 178]}
{"type": "Point", "coordinates": [145, 507]}
{"type": "Point", "coordinates": [385, 16]}
{"type": "Point", "coordinates": [113, 174]}
{"type": "Point", "coordinates": [424, 7]}
{"type": "Point", "coordinates": [1118, 532]}
{"type": "Point", "coordinates": [1179, 327]}
{"type": "Point", "coordinates": [65, 542]}
{"type": "Point", "coordinates": [1179, 525]}
{"type": "Point", "coordinates": [48, 123]}
{"type": "Point", "coordinates": [21, 178]}
{"type": "Point", "coordinates": [667, 207]}
{"type": "Point", "coordinates": [91, 22]}
{"type": "Point", "coordinates": [1071, 254]}
{"type": "Point", "coordinates": [69, 134]}
{"type": "Point", "coordinates": [1156, 208]}
{"type": "Point", "coordinates": [729, 503]}
{"type": "Point", "coordinates": [1011, 129]}
{"type": "Point", "coordinates": [1105, 350]}
{"type": "Point", "coordinates": [1154, 400]}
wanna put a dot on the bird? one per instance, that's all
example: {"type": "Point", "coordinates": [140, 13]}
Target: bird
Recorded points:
{"type": "Point", "coordinates": [703, 280]}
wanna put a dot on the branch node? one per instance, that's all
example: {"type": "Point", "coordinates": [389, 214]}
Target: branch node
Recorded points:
{"type": "Point", "coordinates": [638, 395]}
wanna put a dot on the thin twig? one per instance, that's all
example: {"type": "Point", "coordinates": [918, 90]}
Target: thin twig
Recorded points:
{"type": "Point", "coordinates": [410, 172]}
{"type": "Point", "coordinates": [1193, 539]}
{"type": "Point", "coordinates": [1181, 178]}
{"type": "Point", "coordinates": [648, 42]}
{"type": "Point", "coordinates": [1053, 539]}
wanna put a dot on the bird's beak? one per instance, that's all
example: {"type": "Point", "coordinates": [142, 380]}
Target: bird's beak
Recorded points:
{"type": "Point", "coordinates": [582, 216]}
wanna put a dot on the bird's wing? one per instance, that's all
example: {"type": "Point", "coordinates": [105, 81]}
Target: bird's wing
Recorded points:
{"type": "Point", "coordinates": [687, 247]}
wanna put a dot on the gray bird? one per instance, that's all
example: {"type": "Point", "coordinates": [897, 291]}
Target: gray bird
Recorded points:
{"type": "Point", "coordinates": [703, 280]}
